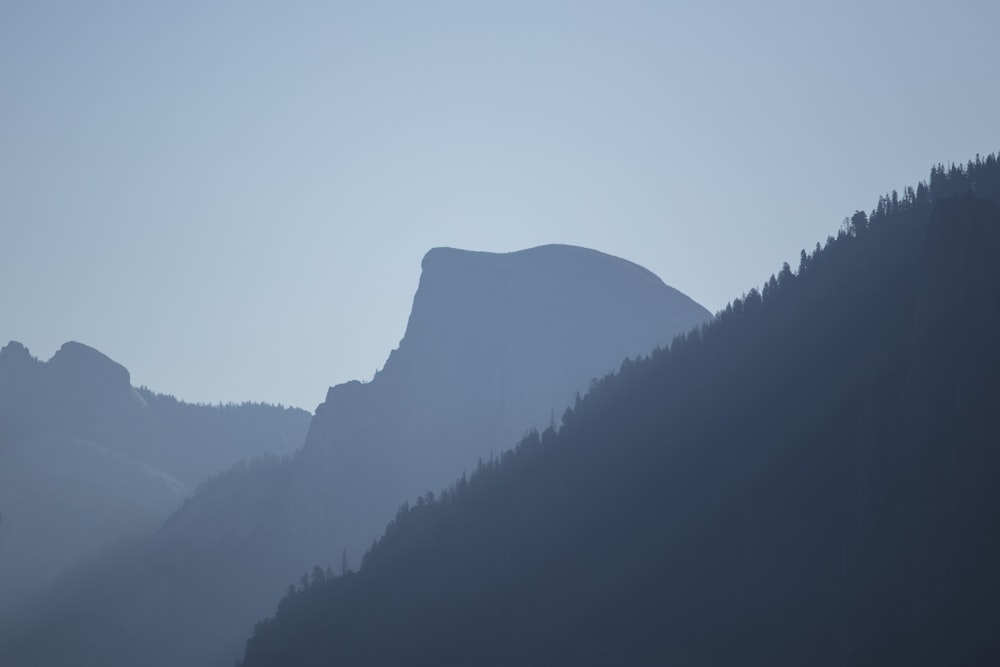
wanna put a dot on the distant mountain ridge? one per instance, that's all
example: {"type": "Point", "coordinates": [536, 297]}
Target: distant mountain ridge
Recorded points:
{"type": "Point", "coordinates": [496, 344]}
{"type": "Point", "coordinates": [77, 380]}
{"type": "Point", "coordinates": [87, 459]}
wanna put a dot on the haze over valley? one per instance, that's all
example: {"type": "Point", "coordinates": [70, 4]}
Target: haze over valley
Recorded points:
{"type": "Point", "coordinates": [530, 334]}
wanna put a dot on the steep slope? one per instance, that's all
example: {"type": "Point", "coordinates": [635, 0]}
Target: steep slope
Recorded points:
{"type": "Point", "coordinates": [809, 480]}
{"type": "Point", "coordinates": [494, 345]}
{"type": "Point", "coordinates": [86, 459]}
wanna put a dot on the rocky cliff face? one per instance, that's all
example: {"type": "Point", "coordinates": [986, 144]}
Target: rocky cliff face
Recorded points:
{"type": "Point", "coordinates": [495, 344]}
{"type": "Point", "coordinates": [518, 334]}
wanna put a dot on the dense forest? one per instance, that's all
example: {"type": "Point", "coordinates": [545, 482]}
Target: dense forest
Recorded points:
{"type": "Point", "coordinates": [808, 479]}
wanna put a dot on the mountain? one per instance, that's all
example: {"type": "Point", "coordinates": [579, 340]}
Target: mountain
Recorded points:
{"type": "Point", "coordinates": [87, 459]}
{"type": "Point", "coordinates": [496, 344]}
{"type": "Point", "coordinates": [809, 479]}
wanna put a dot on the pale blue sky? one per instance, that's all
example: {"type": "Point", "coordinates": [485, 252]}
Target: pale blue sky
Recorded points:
{"type": "Point", "coordinates": [232, 198]}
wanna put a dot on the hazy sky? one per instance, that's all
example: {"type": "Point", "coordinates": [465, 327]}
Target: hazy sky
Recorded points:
{"type": "Point", "coordinates": [233, 198]}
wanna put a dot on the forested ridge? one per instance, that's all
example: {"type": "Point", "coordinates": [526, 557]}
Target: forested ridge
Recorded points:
{"type": "Point", "coordinates": [808, 479]}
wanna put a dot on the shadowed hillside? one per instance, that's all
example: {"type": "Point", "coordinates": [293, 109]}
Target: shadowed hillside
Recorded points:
{"type": "Point", "coordinates": [808, 480]}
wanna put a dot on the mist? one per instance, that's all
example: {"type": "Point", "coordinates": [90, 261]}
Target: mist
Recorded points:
{"type": "Point", "coordinates": [541, 333]}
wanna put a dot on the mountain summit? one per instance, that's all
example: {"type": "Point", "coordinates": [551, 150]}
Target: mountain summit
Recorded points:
{"type": "Point", "coordinates": [516, 334]}
{"type": "Point", "coordinates": [76, 360]}
{"type": "Point", "coordinates": [496, 344]}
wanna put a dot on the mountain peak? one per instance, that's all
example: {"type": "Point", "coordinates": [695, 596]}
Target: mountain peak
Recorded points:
{"type": "Point", "coordinates": [571, 292]}
{"type": "Point", "coordinates": [557, 257]}
{"type": "Point", "coordinates": [512, 337]}
{"type": "Point", "coordinates": [83, 363]}
{"type": "Point", "coordinates": [15, 358]}
{"type": "Point", "coordinates": [15, 350]}
{"type": "Point", "coordinates": [15, 347]}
